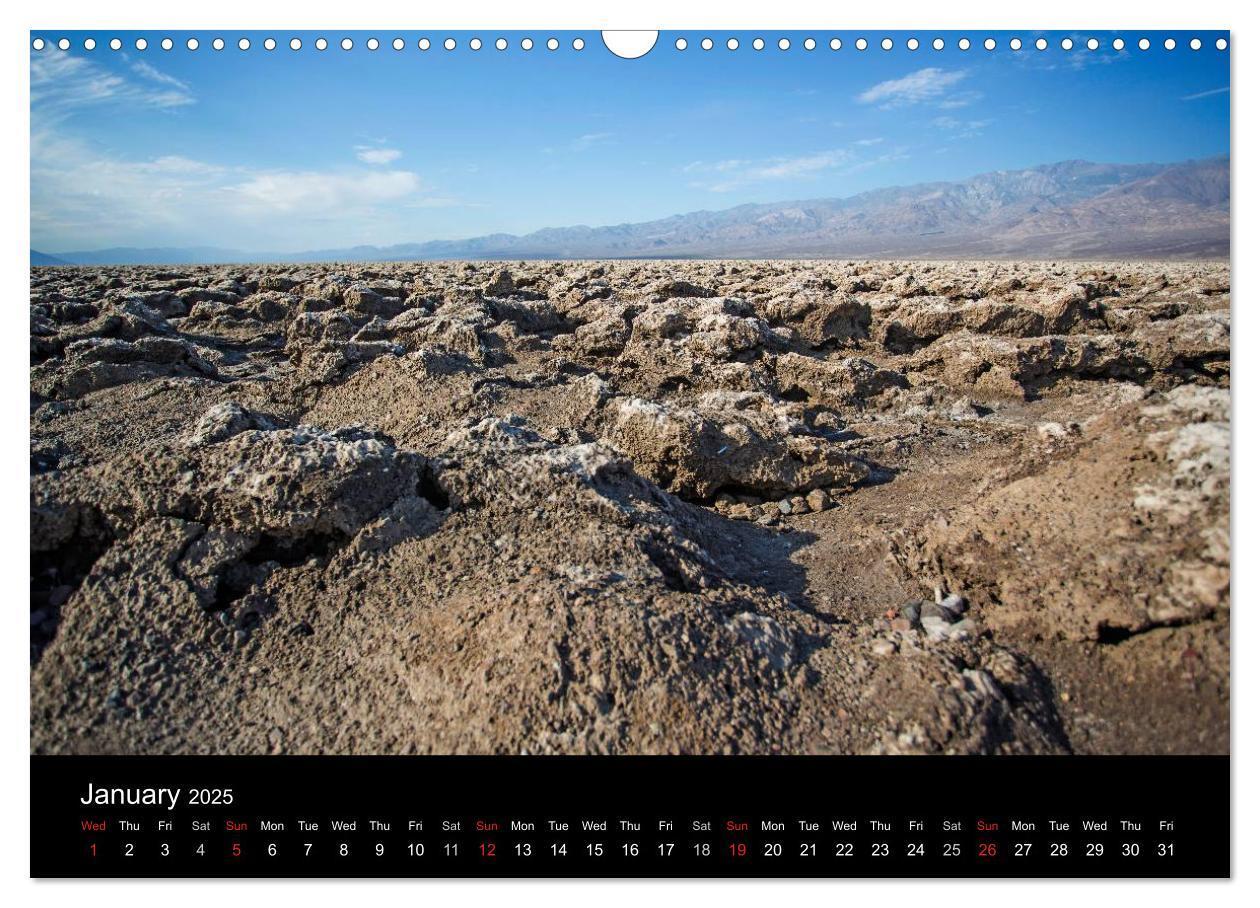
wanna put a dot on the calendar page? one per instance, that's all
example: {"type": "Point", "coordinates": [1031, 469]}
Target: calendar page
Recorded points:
{"type": "Point", "coordinates": [547, 453]}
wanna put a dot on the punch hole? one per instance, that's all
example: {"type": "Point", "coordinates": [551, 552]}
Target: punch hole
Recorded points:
{"type": "Point", "coordinates": [759, 44]}
{"type": "Point", "coordinates": [64, 44]}
{"type": "Point", "coordinates": [810, 43]}
{"type": "Point", "coordinates": [1221, 44]}
{"type": "Point", "coordinates": [115, 44]}
{"type": "Point", "coordinates": [578, 44]}
{"type": "Point", "coordinates": [732, 44]}
{"type": "Point", "coordinates": [527, 44]}
{"type": "Point", "coordinates": [630, 45]}
{"type": "Point", "coordinates": [321, 44]}
{"type": "Point", "coordinates": [681, 44]}
{"type": "Point", "coordinates": [886, 44]}
{"type": "Point", "coordinates": [784, 44]}
{"type": "Point", "coordinates": [836, 44]}
{"type": "Point", "coordinates": [167, 43]}
{"type": "Point", "coordinates": [1144, 43]}
{"type": "Point", "coordinates": [449, 44]}
{"type": "Point", "coordinates": [191, 43]}
{"type": "Point", "coordinates": [475, 44]}
{"type": "Point", "coordinates": [90, 43]}
{"type": "Point", "coordinates": [964, 44]}
{"type": "Point", "coordinates": [373, 44]}
{"type": "Point", "coordinates": [938, 44]}
{"type": "Point", "coordinates": [912, 44]}
{"type": "Point", "coordinates": [706, 44]}
{"type": "Point", "coordinates": [269, 44]}
{"type": "Point", "coordinates": [860, 44]}
{"type": "Point", "coordinates": [989, 44]}
{"type": "Point", "coordinates": [37, 44]}
{"type": "Point", "coordinates": [346, 44]}
{"type": "Point", "coordinates": [1042, 44]}
{"type": "Point", "coordinates": [424, 44]}
{"type": "Point", "coordinates": [217, 44]}
{"type": "Point", "coordinates": [141, 44]}
{"type": "Point", "coordinates": [1118, 44]}
{"type": "Point", "coordinates": [500, 44]}
{"type": "Point", "coordinates": [243, 44]}
{"type": "Point", "coordinates": [553, 44]}
{"type": "Point", "coordinates": [295, 44]}
{"type": "Point", "coordinates": [1170, 44]}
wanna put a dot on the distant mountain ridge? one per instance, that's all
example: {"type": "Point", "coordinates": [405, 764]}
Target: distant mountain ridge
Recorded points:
{"type": "Point", "coordinates": [1071, 209]}
{"type": "Point", "coordinates": [39, 258]}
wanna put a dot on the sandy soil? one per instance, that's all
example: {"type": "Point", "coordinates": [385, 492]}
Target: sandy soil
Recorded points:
{"type": "Point", "coordinates": [631, 507]}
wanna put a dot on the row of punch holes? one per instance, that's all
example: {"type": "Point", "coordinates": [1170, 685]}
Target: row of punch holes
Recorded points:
{"type": "Point", "coordinates": [553, 44]}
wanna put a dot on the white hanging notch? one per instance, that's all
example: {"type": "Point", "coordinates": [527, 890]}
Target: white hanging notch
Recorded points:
{"type": "Point", "coordinates": [629, 45]}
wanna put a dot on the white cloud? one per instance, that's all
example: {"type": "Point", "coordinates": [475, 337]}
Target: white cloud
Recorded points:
{"type": "Point", "coordinates": [959, 99]}
{"type": "Point", "coordinates": [153, 74]}
{"type": "Point", "coordinates": [176, 164]}
{"type": "Point", "coordinates": [369, 155]}
{"type": "Point", "coordinates": [581, 143]}
{"type": "Point", "coordinates": [82, 198]}
{"type": "Point", "coordinates": [716, 166]}
{"type": "Point", "coordinates": [923, 85]}
{"type": "Point", "coordinates": [61, 82]}
{"type": "Point", "coordinates": [1206, 94]}
{"type": "Point", "coordinates": [736, 173]}
{"type": "Point", "coordinates": [93, 198]}
{"type": "Point", "coordinates": [791, 168]}
{"type": "Point", "coordinates": [961, 129]}
{"type": "Point", "coordinates": [315, 192]}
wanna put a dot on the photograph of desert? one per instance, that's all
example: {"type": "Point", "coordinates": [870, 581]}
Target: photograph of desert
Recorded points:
{"type": "Point", "coordinates": [352, 447]}
{"type": "Point", "coordinates": [631, 507]}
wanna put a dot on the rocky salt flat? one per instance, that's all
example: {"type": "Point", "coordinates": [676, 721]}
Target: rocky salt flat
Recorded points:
{"type": "Point", "coordinates": [632, 507]}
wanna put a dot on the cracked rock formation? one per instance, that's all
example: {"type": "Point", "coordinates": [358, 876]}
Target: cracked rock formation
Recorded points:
{"type": "Point", "coordinates": [631, 507]}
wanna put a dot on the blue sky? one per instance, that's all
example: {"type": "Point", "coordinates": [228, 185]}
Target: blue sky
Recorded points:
{"type": "Point", "coordinates": [286, 150]}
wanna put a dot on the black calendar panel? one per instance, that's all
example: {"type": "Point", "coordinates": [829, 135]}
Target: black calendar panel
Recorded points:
{"type": "Point", "coordinates": [630, 817]}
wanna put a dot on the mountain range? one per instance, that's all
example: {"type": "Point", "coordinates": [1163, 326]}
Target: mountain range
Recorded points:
{"type": "Point", "coordinates": [1070, 210]}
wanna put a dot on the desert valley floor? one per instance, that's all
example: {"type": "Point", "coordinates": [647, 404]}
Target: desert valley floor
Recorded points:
{"type": "Point", "coordinates": [631, 507]}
